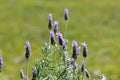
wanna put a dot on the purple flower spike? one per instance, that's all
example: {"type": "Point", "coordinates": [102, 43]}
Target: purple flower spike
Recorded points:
{"type": "Point", "coordinates": [87, 73]}
{"type": "Point", "coordinates": [50, 21]}
{"type": "Point", "coordinates": [27, 47]}
{"type": "Point", "coordinates": [52, 37]}
{"type": "Point", "coordinates": [60, 39]}
{"type": "Point", "coordinates": [55, 26]}
{"type": "Point", "coordinates": [83, 66]}
{"type": "Point", "coordinates": [66, 14]}
{"type": "Point", "coordinates": [21, 74]}
{"type": "Point", "coordinates": [1, 63]}
{"type": "Point", "coordinates": [85, 52]}
{"type": "Point", "coordinates": [27, 44]}
{"type": "Point", "coordinates": [34, 72]}
{"type": "Point", "coordinates": [74, 65]}
{"type": "Point", "coordinates": [74, 46]}
{"type": "Point", "coordinates": [64, 45]}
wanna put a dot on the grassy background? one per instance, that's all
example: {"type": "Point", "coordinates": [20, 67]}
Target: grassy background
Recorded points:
{"type": "Point", "coordinates": [93, 21]}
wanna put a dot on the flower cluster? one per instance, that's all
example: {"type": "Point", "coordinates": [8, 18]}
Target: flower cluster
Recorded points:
{"type": "Point", "coordinates": [58, 62]}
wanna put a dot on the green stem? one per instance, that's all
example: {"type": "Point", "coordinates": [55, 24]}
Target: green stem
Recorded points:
{"type": "Point", "coordinates": [55, 57]}
{"type": "Point", "coordinates": [73, 74]}
{"type": "Point", "coordinates": [65, 29]}
{"type": "Point", "coordinates": [27, 68]}
{"type": "Point", "coordinates": [82, 75]}
{"type": "Point", "coordinates": [83, 71]}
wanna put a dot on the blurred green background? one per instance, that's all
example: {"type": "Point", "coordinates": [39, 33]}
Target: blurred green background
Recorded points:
{"type": "Point", "coordinates": [95, 21]}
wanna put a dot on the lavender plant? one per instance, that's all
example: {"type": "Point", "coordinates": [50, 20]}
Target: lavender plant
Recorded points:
{"type": "Point", "coordinates": [58, 62]}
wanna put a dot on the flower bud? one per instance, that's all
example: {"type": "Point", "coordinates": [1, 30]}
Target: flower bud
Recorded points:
{"type": "Point", "coordinates": [60, 39]}
{"type": "Point", "coordinates": [34, 73]}
{"type": "Point", "coordinates": [64, 45]}
{"type": "Point", "coordinates": [27, 47]}
{"type": "Point", "coordinates": [55, 26]}
{"type": "Point", "coordinates": [83, 66]}
{"type": "Point", "coordinates": [87, 73]}
{"type": "Point", "coordinates": [74, 46]}
{"type": "Point", "coordinates": [1, 63]}
{"type": "Point", "coordinates": [50, 21]}
{"type": "Point", "coordinates": [74, 65]}
{"type": "Point", "coordinates": [66, 14]}
{"type": "Point", "coordinates": [52, 37]}
{"type": "Point", "coordinates": [85, 52]}
{"type": "Point", "coordinates": [21, 74]}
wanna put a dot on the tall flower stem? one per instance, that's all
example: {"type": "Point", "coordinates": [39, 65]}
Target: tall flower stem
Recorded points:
{"type": "Point", "coordinates": [55, 56]}
{"type": "Point", "coordinates": [82, 75]}
{"type": "Point", "coordinates": [74, 71]}
{"type": "Point", "coordinates": [66, 26]}
{"type": "Point", "coordinates": [27, 63]}
{"type": "Point", "coordinates": [73, 74]}
{"type": "Point", "coordinates": [83, 71]}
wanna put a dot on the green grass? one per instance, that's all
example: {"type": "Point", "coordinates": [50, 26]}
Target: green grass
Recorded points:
{"type": "Point", "coordinates": [93, 21]}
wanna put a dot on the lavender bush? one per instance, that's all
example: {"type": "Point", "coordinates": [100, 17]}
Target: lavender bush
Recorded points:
{"type": "Point", "coordinates": [59, 62]}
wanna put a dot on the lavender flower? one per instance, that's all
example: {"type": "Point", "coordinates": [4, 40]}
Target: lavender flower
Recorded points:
{"type": "Point", "coordinates": [68, 62]}
{"type": "Point", "coordinates": [34, 73]}
{"type": "Point", "coordinates": [85, 52]}
{"type": "Point", "coordinates": [83, 66]}
{"type": "Point", "coordinates": [74, 65]}
{"type": "Point", "coordinates": [55, 26]}
{"type": "Point", "coordinates": [1, 63]}
{"type": "Point", "coordinates": [50, 21]}
{"type": "Point", "coordinates": [27, 47]}
{"type": "Point", "coordinates": [21, 74]}
{"type": "Point", "coordinates": [66, 14]}
{"type": "Point", "coordinates": [60, 39]}
{"type": "Point", "coordinates": [52, 37]}
{"type": "Point", "coordinates": [87, 73]}
{"type": "Point", "coordinates": [74, 46]}
{"type": "Point", "coordinates": [64, 45]}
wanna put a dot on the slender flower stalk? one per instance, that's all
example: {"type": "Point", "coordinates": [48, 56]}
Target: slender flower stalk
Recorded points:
{"type": "Point", "coordinates": [66, 17]}
{"type": "Point", "coordinates": [50, 21]}
{"type": "Point", "coordinates": [83, 68]}
{"type": "Point", "coordinates": [27, 55]}
{"type": "Point", "coordinates": [1, 63]}
{"type": "Point", "coordinates": [27, 64]}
